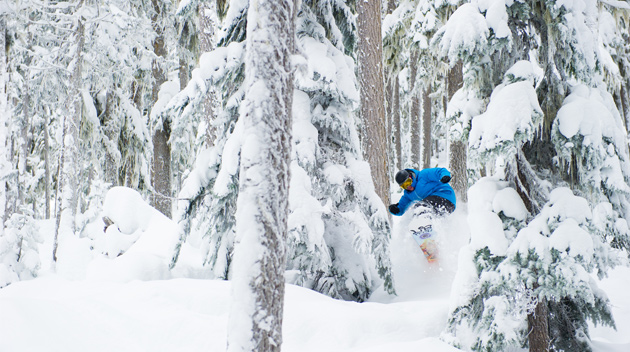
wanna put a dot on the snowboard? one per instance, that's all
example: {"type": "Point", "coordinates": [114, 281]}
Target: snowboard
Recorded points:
{"type": "Point", "coordinates": [425, 237]}
{"type": "Point", "coordinates": [421, 230]}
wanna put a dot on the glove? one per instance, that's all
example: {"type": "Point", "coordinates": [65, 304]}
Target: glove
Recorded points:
{"type": "Point", "coordinates": [393, 208]}
{"type": "Point", "coordinates": [445, 179]}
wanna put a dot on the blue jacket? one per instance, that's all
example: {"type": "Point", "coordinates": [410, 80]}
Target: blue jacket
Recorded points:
{"type": "Point", "coordinates": [427, 183]}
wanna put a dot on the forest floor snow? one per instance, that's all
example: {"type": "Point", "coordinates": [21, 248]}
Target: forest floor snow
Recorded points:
{"type": "Point", "coordinates": [61, 313]}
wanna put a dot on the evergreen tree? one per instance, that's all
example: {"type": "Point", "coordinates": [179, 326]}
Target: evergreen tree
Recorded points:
{"type": "Point", "coordinates": [541, 239]}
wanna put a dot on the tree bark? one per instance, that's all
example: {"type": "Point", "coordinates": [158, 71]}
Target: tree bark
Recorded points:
{"type": "Point", "coordinates": [4, 124]}
{"type": "Point", "coordinates": [539, 328]}
{"type": "Point", "coordinates": [161, 175]}
{"type": "Point", "coordinates": [426, 128]}
{"type": "Point", "coordinates": [458, 149]}
{"type": "Point", "coordinates": [397, 131]}
{"type": "Point", "coordinates": [371, 86]}
{"type": "Point", "coordinates": [47, 164]}
{"type": "Point", "coordinates": [206, 34]}
{"type": "Point", "coordinates": [414, 113]}
{"type": "Point", "coordinates": [262, 209]}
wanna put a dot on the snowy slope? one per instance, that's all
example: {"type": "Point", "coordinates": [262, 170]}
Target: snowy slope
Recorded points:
{"type": "Point", "coordinates": [97, 306]}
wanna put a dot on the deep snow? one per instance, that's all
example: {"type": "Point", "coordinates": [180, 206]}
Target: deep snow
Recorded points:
{"type": "Point", "coordinates": [132, 303]}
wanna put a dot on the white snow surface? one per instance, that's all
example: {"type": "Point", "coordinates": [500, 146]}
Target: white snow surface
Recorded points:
{"type": "Point", "coordinates": [132, 302]}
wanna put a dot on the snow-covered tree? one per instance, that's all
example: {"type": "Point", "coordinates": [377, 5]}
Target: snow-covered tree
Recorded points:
{"type": "Point", "coordinates": [70, 162]}
{"type": "Point", "coordinates": [263, 201]}
{"type": "Point", "coordinates": [5, 123]}
{"type": "Point", "coordinates": [338, 227]}
{"type": "Point", "coordinates": [552, 211]}
{"type": "Point", "coordinates": [19, 253]}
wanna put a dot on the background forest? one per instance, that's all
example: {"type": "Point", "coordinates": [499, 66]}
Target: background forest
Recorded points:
{"type": "Point", "coordinates": [104, 104]}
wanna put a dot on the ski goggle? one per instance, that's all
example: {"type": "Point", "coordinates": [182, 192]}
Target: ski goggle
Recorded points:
{"type": "Point", "coordinates": [406, 184]}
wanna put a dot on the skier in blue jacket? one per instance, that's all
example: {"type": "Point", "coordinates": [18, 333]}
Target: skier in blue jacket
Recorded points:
{"type": "Point", "coordinates": [429, 186]}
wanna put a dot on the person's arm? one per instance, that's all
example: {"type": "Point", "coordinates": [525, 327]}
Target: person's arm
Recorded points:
{"type": "Point", "coordinates": [443, 175]}
{"type": "Point", "coordinates": [401, 206]}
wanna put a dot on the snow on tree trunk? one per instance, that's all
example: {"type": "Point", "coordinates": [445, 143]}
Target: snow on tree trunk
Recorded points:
{"type": "Point", "coordinates": [47, 179]}
{"type": "Point", "coordinates": [262, 207]}
{"type": "Point", "coordinates": [371, 82]}
{"type": "Point", "coordinates": [414, 114]}
{"type": "Point", "coordinates": [5, 121]}
{"type": "Point", "coordinates": [206, 44]}
{"type": "Point", "coordinates": [426, 127]}
{"type": "Point", "coordinates": [457, 149]}
{"type": "Point", "coordinates": [67, 198]}
{"type": "Point", "coordinates": [397, 131]}
{"type": "Point", "coordinates": [161, 175]}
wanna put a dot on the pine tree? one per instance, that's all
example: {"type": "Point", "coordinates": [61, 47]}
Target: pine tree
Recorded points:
{"type": "Point", "coordinates": [338, 229]}
{"type": "Point", "coordinates": [531, 283]}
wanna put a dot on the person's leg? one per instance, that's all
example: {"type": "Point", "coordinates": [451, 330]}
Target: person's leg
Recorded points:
{"type": "Point", "coordinates": [441, 206]}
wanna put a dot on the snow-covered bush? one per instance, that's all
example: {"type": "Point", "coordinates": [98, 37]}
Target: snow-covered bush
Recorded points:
{"type": "Point", "coordinates": [19, 252]}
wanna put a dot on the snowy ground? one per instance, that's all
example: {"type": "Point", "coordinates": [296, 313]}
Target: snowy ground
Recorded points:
{"type": "Point", "coordinates": [101, 308]}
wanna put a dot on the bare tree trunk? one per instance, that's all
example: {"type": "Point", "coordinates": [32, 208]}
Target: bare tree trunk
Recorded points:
{"type": "Point", "coordinates": [371, 82]}
{"type": "Point", "coordinates": [67, 198]}
{"type": "Point", "coordinates": [263, 206]}
{"type": "Point", "coordinates": [393, 113]}
{"type": "Point", "coordinates": [397, 131]}
{"type": "Point", "coordinates": [538, 325]}
{"type": "Point", "coordinates": [161, 175]}
{"type": "Point", "coordinates": [414, 113]}
{"type": "Point", "coordinates": [623, 97]}
{"type": "Point", "coordinates": [426, 127]}
{"type": "Point", "coordinates": [458, 149]}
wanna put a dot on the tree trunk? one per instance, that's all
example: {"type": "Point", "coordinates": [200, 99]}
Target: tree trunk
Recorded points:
{"type": "Point", "coordinates": [426, 127]}
{"type": "Point", "coordinates": [371, 83]}
{"type": "Point", "coordinates": [5, 121]}
{"type": "Point", "coordinates": [389, 122]}
{"type": "Point", "coordinates": [206, 34]}
{"type": "Point", "coordinates": [414, 113]}
{"type": "Point", "coordinates": [623, 96]}
{"type": "Point", "coordinates": [161, 175]}
{"type": "Point", "coordinates": [262, 209]}
{"type": "Point", "coordinates": [458, 149]}
{"type": "Point", "coordinates": [538, 325]}
{"type": "Point", "coordinates": [47, 163]}
{"type": "Point", "coordinates": [112, 155]}
{"type": "Point", "coordinates": [397, 130]}
{"type": "Point", "coordinates": [67, 198]}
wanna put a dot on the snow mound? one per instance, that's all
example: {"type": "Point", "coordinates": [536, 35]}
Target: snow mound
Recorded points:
{"type": "Point", "coordinates": [138, 245]}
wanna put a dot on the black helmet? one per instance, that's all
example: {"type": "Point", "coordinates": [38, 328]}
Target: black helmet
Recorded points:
{"type": "Point", "coordinates": [402, 176]}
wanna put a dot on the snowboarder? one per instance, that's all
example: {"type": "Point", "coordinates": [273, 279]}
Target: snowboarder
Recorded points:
{"type": "Point", "coordinates": [429, 187]}
{"type": "Point", "coordinates": [432, 196]}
